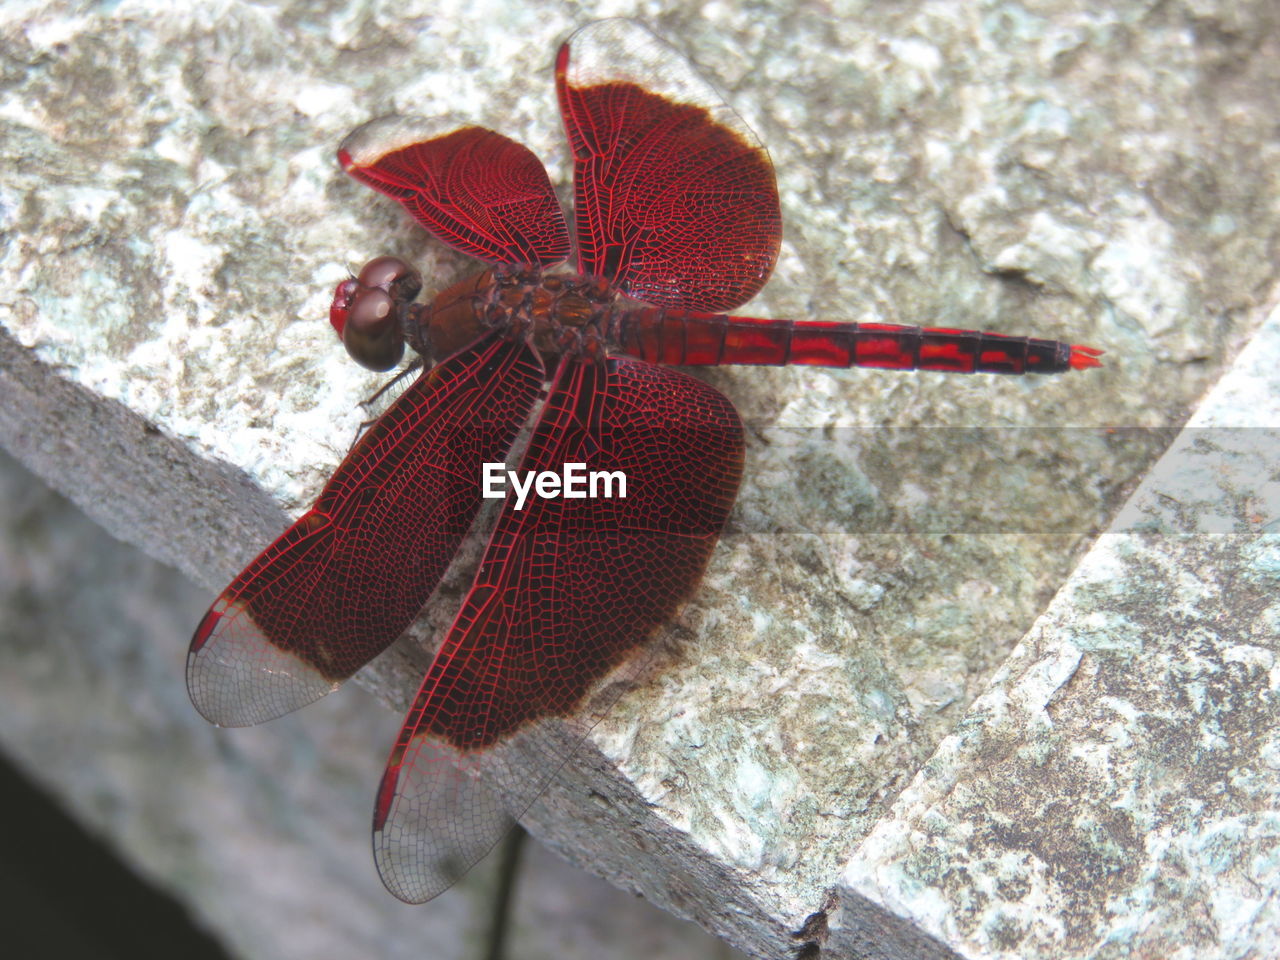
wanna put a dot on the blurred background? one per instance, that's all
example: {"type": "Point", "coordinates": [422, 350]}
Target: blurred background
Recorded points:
{"type": "Point", "coordinates": [123, 837]}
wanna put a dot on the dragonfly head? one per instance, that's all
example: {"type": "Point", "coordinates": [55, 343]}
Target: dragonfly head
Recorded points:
{"type": "Point", "coordinates": [368, 311]}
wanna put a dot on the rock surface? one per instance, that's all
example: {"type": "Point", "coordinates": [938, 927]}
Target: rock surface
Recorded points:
{"type": "Point", "coordinates": [1138, 723]}
{"type": "Point", "coordinates": [175, 224]}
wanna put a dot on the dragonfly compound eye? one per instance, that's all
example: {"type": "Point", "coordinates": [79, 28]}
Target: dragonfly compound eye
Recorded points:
{"type": "Point", "coordinates": [392, 275]}
{"type": "Point", "coordinates": [372, 332]}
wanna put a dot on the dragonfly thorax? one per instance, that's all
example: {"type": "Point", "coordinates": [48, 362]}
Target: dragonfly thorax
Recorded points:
{"type": "Point", "coordinates": [556, 312]}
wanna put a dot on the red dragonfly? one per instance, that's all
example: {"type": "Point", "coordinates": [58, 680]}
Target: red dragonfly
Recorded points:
{"type": "Point", "coordinates": [676, 221]}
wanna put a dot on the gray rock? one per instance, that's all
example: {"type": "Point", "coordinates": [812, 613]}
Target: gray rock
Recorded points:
{"type": "Point", "coordinates": [1112, 794]}
{"type": "Point", "coordinates": [175, 225]}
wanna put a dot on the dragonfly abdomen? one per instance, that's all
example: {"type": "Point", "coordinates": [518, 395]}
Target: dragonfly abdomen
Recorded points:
{"type": "Point", "coordinates": [706, 339]}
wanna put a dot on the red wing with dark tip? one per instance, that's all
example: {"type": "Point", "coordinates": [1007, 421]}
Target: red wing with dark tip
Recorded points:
{"type": "Point", "coordinates": [345, 580]}
{"type": "Point", "coordinates": [478, 191]}
{"type": "Point", "coordinates": [568, 590]}
{"type": "Point", "coordinates": [674, 196]}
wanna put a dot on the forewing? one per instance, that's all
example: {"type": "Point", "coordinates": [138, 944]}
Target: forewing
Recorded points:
{"type": "Point", "coordinates": [568, 591]}
{"type": "Point", "coordinates": [478, 191]}
{"type": "Point", "coordinates": [345, 580]}
{"type": "Point", "coordinates": [674, 196]}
